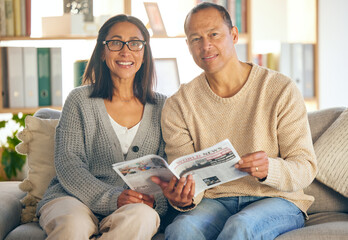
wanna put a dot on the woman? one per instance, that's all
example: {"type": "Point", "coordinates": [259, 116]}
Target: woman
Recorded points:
{"type": "Point", "coordinates": [114, 118]}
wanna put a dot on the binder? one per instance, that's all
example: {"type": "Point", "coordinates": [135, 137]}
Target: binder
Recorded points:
{"type": "Point", "coordinates": [31, 96]}
{"type": "Point", "coordinates": [308, 70]}
{"type": "Point", "coordinates": [79, 70]}
{"type": "Point", "coordinates": [3, 75]}
{"type": "Point", "coordinates": [15, 77]}
{"type": "Point", "coordinates": [56, 76]}
{"type": "Point", "coordinates": [44, 75]}
{"type": "Point", "coordinates": [285, 59]}
{"type": "Point", "coordinates": [297, 65]}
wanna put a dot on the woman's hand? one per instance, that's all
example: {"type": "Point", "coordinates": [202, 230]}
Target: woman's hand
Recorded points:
{"type": "Point", "coordinates": [179, 192]}
{"type": "Point", "coordinates": [129, 196]}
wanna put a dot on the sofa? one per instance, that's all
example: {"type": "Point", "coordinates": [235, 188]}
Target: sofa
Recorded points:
{"type": "Point", "coordinates": [328, 216]}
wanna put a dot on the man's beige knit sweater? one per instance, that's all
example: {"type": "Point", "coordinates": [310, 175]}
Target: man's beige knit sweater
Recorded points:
{"type": "Point", "coordinates": [267, 114]}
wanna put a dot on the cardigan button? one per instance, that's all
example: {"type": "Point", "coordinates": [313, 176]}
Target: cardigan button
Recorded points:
{"type": "Point", "coordinates": [135, 149]}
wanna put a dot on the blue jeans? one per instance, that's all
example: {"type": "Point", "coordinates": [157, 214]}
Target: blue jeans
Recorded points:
{"type": "Point", "coordinates": [236, 218]}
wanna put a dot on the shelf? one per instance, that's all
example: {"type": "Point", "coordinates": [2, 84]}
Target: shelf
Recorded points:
{"type": "Point", "coordinates": [48, 38]}
{"type": "Point", "coordinates": [26, 110]}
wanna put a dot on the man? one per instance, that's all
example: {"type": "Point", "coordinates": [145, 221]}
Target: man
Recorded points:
{"type": "Point", "coordinates": [263, 114]}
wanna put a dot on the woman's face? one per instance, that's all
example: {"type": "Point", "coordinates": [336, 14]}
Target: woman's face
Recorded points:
{"type": "Point", "coordinates": [123, 64]}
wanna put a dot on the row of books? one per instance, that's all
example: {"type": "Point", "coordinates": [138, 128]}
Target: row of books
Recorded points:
{"type": "Point", "coordinates": [268, 60]}
{"type": "Point", "coordinates": [15, 17]}
{"type": "Point", "coordinates": [237, 10]}
{"type": "Point", "coordinates": [31, 77]}
{"type": "Point", "coordinates": [295, 60]}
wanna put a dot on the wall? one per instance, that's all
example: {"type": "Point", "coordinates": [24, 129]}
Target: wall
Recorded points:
{"type": "Point", "coordinates": [333, 53]}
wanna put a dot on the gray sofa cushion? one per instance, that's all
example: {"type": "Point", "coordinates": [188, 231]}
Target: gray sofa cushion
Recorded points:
{"type": "Point", "coordinates": [10, 208]}
{"type": "Point", "coordinates": [326, 231]}
{"type": "Point", "coordinates": [326, 199]}
{"type": "Point", "coordinates": [321, 120]}
{"type": "Point", "coordinates": [28, 231]}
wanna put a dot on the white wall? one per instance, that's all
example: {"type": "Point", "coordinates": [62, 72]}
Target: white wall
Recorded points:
{"type": "Point", "coordinates": [333, 53]}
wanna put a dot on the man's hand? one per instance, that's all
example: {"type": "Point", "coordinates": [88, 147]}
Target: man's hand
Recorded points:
{"type": "Point", "coordinates": [256, 164]}
{"type": "Point", "coordinates": [129, 196]}
{"type": "Point", "coordinates": [178, 192]}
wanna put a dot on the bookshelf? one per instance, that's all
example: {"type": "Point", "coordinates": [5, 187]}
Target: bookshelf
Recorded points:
{"type": "Point", "coordinates": [128, 8]}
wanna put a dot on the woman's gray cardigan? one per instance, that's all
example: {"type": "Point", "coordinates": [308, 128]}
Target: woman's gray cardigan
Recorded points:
{"type": "Point", "coordinates": [87, 146]}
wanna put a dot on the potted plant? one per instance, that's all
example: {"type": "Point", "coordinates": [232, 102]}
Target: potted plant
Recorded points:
{"type": "Point", "coordinates": [11, 161]}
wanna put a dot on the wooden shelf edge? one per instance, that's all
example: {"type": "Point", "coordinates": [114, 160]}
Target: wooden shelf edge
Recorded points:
{"type": "Point", "coordinates": [21, 38]}
{"type": "Point", "coordinates": [26, 110]}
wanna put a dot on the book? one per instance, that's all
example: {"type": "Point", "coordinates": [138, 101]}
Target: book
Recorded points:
{"type": "Point", "coordinates": [15, 77]}
{"type": "Point", "coordinates": [10, 29]}
{"type": "Point", "coordinates": [271, 61]}
{"type": "Point", "coordinates": [44, 76]}
{"type": "Point", "coordinates": [2, 18]}
{"type": "Point", "coordinates": [23, 17]}
{"type": "Point", "coordinates": [209, 167]}
{"type": "Point", "coordinates": [244, 16]}
{"type": "Point", "coordinates": [238, 12]}
{"type": "Point", "coordinates": [17, 17]}
{"type": "Point", "coordinates": [27, 17]}
{"type": "Point", "coordinates": [231, 7]}
{"type": "Point", "coordinates": [56, 76]}
{"type": "Point", "coordinates": [3, 75]}
{"type": "Point", "coordinates": [31, 96]}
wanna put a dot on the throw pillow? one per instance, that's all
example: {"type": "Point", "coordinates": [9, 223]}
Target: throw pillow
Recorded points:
{"type": "Point", "coordinates": [332, 155]}
{"type": "Point", "coordinates": [38, 144]}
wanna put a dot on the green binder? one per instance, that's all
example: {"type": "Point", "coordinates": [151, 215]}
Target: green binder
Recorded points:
{"type": "Point", "coordinates": [79, 70]}
{"type": "Point", "coordinates": [44, 75]}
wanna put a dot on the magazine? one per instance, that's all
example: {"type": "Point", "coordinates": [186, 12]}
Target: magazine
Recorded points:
{"type": "Point", "coordinates": [209, 167]}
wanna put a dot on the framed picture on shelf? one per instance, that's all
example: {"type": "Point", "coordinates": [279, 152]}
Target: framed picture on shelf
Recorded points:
{"type": "Point", "coordinates": [167, 73]}
{"type": "Point", "coordinates": [223, 3]}
{"type": "Point", "coordinates": [155, 19]}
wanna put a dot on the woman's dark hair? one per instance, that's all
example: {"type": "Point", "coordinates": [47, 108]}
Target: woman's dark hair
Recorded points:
{"type": "Point", "coordinates": [224, 13]}
{"type": "Point", "coordinates": [97, 72]}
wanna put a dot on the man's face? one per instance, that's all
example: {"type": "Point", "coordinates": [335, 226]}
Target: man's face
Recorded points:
{"type": "Point", "coordinates": [210, 40]}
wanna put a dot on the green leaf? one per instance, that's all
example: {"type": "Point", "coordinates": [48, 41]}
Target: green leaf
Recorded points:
{"type": "Point", "coordinates": [2, 124]}
{"type": "Point", "coordinates": [12, 162]}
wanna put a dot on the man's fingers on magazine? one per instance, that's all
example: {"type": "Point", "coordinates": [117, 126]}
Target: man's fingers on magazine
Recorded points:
{"type": "Point", "coordinates": [189, 188]}
{"type": "Point", "coordinates": [148, 198]}
{"type": "Point", "coordinates": [180, 185]}
{"type": "Point", "coordinates": [158, 181]}
{"type": "Point", "coordinates": [172, 184]}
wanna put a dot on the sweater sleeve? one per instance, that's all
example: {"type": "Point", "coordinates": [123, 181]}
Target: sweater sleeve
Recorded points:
{"type": "Point", "coordinates": [175, 131]}
{"type": "Point", "coordinates": [72, 165]}
{"type": "Point", "coordinates": [296, 166]}
{"type": "Point", "coordinates": [177, 137]}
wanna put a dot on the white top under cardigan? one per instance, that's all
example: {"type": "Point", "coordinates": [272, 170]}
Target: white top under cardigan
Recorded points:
{"type": "Point", "coordinates": [125, 135]}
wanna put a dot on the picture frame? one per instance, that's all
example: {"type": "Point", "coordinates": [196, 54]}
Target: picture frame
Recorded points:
{"type": "Point", "coordinates": [168, 80]}
{"type": "Point", "coordinates": [155, 19]}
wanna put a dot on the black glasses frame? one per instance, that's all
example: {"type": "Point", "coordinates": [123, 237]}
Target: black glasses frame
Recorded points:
{"type": "Point", "coordinates": [124, 43]}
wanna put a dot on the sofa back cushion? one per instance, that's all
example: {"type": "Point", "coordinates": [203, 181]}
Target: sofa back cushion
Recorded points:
{"type": "Point", "coordinates": [326, 198]}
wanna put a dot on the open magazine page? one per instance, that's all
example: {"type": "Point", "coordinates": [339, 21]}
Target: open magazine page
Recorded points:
{"type": "Point", "coordinates": [209, 167]}
{"type": "Point", "coordinates": [136, 173]}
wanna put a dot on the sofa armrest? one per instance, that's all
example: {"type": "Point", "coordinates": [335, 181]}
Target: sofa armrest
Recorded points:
{"type": "Point", "coordinates": [10, 207]}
